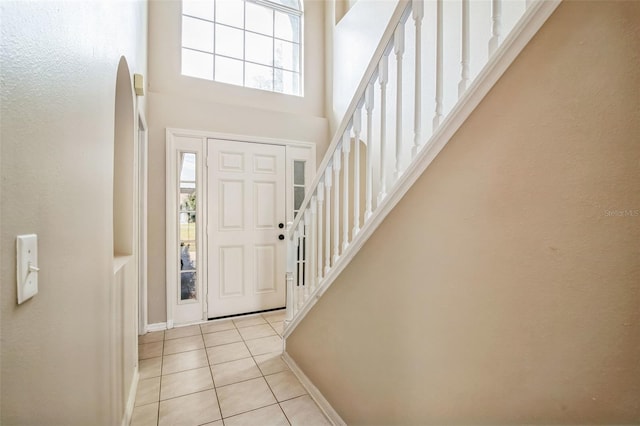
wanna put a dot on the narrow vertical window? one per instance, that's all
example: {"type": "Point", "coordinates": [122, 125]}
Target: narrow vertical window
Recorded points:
{"type": "Point", "coordinates": [187, 226]}
{"type": "Point", "coordinates": [250, 43]}
{"type": "Point", "coordinates": [298, 185]}
{"type": "Point", "coordinates": [298, 197]}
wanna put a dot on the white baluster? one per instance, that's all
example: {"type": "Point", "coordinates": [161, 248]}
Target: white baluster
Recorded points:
{"type": "Point", "coordinates": [298, 278]}
{"type": "Point", "coordinates": [336, 202]}
{"type": "Point", "coordinates": [439, 65]}
{"type": "Point", "coordinates": [313, 235]}
{"type": "Point", "coordinates": [369, 104]}
{"type": "Point", "coordinates": [398, 47]}
{"type": "Point", "coordinates": [496, 26]}
{"type": "Point", "coordinates": [320, 195]}
{"type": "Point", "coordinates": [383, 77]}
{"type": "Point", "coordinates": [346, 148]}
{"type": "Point", "coordinates": [306, 227]}
{"type": "Point", "coordinates": [464, 62]}
{"type": "Point", "coordinates": [303, 283]}
{"type": "Point", "coordinates": [357, 128]}
{"type": "Point", "coordinates": [327, 234]}
{"type": "Point", "coordinates": [418, 14]}
{"type": "Point", "coordinates": [291, 265]}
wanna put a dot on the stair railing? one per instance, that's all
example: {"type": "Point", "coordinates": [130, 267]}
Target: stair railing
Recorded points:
{"type": "Point", "coordinates": [400, 137]}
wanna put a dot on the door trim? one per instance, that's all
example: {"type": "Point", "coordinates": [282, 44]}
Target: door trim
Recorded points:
{"type": "Point", "coordinates": [143, 185]}
{"type": "Point", "coordinates": [198, 140]}
{"type": "Point", "coordinates": [185, 143]}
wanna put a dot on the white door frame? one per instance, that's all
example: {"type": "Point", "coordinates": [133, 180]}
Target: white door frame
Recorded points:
{"type": "Point", "coordinates": [197, 141]}
{"type": "Point", "coordinates": [143, 184]}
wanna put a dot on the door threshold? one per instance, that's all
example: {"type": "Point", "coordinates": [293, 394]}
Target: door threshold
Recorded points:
{"type": "Point", "coordinates": [246, 313]}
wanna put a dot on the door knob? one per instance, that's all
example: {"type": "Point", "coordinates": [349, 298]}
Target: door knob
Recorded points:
{"type": "Point", "coordinates": [281, 237]}
{"type": "Point", "coordinates": [281, 225]}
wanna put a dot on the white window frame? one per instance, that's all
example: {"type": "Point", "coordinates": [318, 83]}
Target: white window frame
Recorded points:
{"type": "Point", "coordinates": [275, 7]}
{"type": "Point", "coordinates": [183, 310]}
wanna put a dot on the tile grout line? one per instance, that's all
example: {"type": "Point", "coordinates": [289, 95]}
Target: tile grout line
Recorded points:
{"type": "Point", "coordinates": [256, 364]}
{"type": "Point", "coordinates": [160, 400]}
{"type": "Point", "coordinates": [244, 341]}
{"type": "Point", "coordinates": [253, 409]}
{"type": "Point", "coordinates": [237, 329]}
{"type": "Point", "coordinates": [210, 365]}
{"type": "Point", "coordinates": [213, 382]}
{"type": "Point", "coordinates": [265, 376]}
{"type": "Point", "coordinates": [262, 373]}
{"type": "Point", "coordinates": [164, 333]}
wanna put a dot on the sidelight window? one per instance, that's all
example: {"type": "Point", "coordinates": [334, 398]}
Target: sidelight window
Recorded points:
{"type": "Point", "coordinates": [298, 185]}
{"type": "Point", "coordinates": [187, 226]}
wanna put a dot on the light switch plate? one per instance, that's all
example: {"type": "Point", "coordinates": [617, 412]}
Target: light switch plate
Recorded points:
{"type": "Point", "coordinates": [27, 266]}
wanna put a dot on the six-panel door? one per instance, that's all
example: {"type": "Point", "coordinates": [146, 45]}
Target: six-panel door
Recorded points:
{"type": "Point", "coordinates": [246, 184]}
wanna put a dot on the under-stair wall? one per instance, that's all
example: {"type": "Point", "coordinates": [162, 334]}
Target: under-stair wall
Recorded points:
{"type": "Point", "coordinates": [464, 49]}
{"type": "Point", "coordinates": [504, 287]}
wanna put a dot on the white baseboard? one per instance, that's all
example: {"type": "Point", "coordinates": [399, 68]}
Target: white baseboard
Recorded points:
{"type": "Point", "coordinates": [158, 326]}
{"type": "Point", "coordinates": [128, 411]}
{"type": "Point", "coordinates": [315, 394]}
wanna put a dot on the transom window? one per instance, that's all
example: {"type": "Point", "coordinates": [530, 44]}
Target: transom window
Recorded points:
{"type": "Point", "coordinates": [251, 43]}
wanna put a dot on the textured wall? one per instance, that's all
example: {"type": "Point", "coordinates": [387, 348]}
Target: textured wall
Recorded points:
{"type": "Point", "coordinates": [505, 287]}
{"type": "Point", "coordinates": [57, 84]}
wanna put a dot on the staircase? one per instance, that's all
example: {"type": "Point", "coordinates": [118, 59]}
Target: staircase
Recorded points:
{"type": "Point", "coordinates": [434, 64]}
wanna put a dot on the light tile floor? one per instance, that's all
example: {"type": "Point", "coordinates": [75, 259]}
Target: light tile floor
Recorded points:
{"type": "Point", "coordinates": [226, 372]}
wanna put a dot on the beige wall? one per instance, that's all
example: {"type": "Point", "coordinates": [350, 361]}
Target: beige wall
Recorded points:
{"type": "Point", "coordinates": [189, 103]}
{"type": "Point", "coordinates": [59, 63]}
{"type": "Point", "coordinates": [504, 288]}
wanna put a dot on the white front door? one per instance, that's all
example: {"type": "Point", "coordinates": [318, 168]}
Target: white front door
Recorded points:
{"type": "Point", "coordinates": [246, 185]}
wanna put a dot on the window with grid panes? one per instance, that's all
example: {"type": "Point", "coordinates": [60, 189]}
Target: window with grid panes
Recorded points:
{"type": "Point", "coordinates": [251, 43]}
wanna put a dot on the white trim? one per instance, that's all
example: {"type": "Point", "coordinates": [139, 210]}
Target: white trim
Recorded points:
{"type": "Point", "coordinates": [142, 188]}
{"type": "Point", "coordinates": [187, 324]}
{"type": "Point", "coordinates": [236, 137]}
{"type": "Point", "coordinates": [128, 412]}
{"type": "Point", "coordinates": [171, 178]}
{"type": "Point", "coordinates": [158, 326]}
{"type": "Point", "coordinates": [522, 33]}
{"type": "Point", "coordinates": [279, 7]}
{"type": "Point", "coordinates": [326, 408]}
{"type": "Point", "coordinates": [184, 311]}
{"type": "Point", "coordinates": [170, 219]}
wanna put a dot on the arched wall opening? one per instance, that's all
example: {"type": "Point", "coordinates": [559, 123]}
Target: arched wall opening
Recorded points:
{"type": "Point", "coordinates": [123, 162]}
{"type": "Point", "coordinates": [124, 291]}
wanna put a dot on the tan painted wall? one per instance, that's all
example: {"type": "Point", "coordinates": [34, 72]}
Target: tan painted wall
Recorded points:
{"type": "Point", "coordinates": [505, 287]}
{"type": "Point", "coordinates": [58, 80]}
{"type": "Point", "coordinates": [188, 103]}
